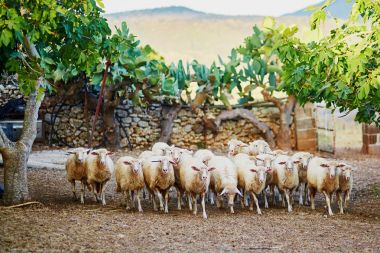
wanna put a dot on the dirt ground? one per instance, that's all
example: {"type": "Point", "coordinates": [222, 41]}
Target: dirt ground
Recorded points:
{"type": "Point", "coordinates": [60, 223]}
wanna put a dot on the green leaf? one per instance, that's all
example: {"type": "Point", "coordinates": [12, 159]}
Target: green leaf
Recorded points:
{"type": "Point", "coordinates": [5, 37]}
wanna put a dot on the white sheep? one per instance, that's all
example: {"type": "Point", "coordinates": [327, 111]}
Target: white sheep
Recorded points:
{"type": "Point", "coordinates": [76, 170]}
{"type": "Point", "coordinates": [258, 147]}
{"type": "Point", "coordinates": [322, 176]}
{"type": "Point", "coordinates": [159, 178]}
{"type": "Point", "coordinates": [129, 179]}
{"type": "Point", "coordinates": [235, 147]}
{"type": "Point", "coordinates": [195, 180]}
{"type": "Point", "coordinates": [223, 180]}
{"type": "Point", "coordinates": [251, 179]}
{"type": "Point", "coordinates": [160, 148]}
{"type": "Point", "coordinates": [271, 181]}
{"type": "Point", "coordinates": [346, 181]}
{"type": "Point", "coordinates": [204, 154]}
{"type": "Point", "coordinates": [287, 177]}
{"type": "Point", "coordinates": [304, 158]}
{"type": "Point", "coordinates": [100, 168]}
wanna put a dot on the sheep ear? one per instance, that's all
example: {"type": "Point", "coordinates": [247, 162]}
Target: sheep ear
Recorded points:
{"type": "Point", "coordinates": [127, 162]}
{"type": "Point", "coordinates": [340, 165]}
{"type": "Point", "coordinates": [253, 170]}
{"type": "Point", "coordinates": [268, 170]}
{"type": "Point", "coordinates": [70, 152]}
{"type": "Point", "coordinates": [238, 192]}
{"type": "Point", "coordinates": [205, 162]}
{"type": "Point", "coordinates": [281, 163]}
{"type": "Point", "coordinates": [156, 161]}
{"type": "Point", "coordinates": [296, 162]}
{"type": "Point", "coordinates": [172, 162]}
{"type": "Point", "coordinates": [243, 145]}
{"type": "Point", "coordinates": [195, 168]}
{"type": "Point", "coordinates": [211, 169]}
{"type": "Point", "coordinates": [110, 153]}
{"type": "Point", "coordinates": [324, 165]}
{"type": "Point", "coordinates": [94, 153]}
{"type": "Point", "coordinates": [88, 151]}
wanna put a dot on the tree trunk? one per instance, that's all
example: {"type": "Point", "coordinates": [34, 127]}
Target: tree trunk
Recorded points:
{"type": "Point", "coordinates": [286, 110]}
{"type": "Point", "coordinates": [169, 113]}
{"type": "Point", "coordinates": [15, 175]}
{"type": "Point", "coordinates": [247, 114]}
{"type": "Point", "coordinates": [16, 154]}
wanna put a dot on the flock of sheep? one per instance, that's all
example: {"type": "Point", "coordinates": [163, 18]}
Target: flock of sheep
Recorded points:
{"type": "Point", "coordinates": [248, 170]}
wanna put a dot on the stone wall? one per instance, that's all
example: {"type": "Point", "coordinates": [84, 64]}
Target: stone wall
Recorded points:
{"type": "Point", "coordinates": [143, 127]}
{"type": "Point", "coordinates": [8, 91]}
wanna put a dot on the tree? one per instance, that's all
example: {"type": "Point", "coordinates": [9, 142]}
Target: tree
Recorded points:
{"type": "Point", "coordinates": [41, 42]}
{"type": "Point", "coordinates": [343, 68]}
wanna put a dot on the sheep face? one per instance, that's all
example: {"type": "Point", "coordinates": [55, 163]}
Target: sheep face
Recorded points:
{"type": "Point", "coordinates": [304, 160]}
{"type": "Point", "coordinates": [177, 153]}
{"type": "Point", "coordinates": [346, 171]}
{"type": "Point", "coordinates": [203, 172]}
{"type": "Point", "coordinates": [102, 155]}
{"type": "Point", "coordinates": [261, 173]}
{"type": "Point", "coordinates": [234, 145]}
{"type": "Point", "coordinates": [80, 154]}
{"type": "Point", "coordinates": [231, 192]}
{"type": "Point", "coordinates": [332, 167]}
{"type": "Point", "coordinates": [135, 165]}
{"type": "Point", "coordinates": [265, 160]}
{"type": "Point", "coordinates": [260, 147]}
{"type": "Point", "coordinates": [290, 163]}
{"type": "Point", "coordinates": [166, 164]}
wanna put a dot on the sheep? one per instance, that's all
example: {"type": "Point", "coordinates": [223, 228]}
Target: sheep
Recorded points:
{"type": "Point", "coordinates": [100, 168]}
{"type": "Point", "coordinates": [304, 158]}
{"type": "Point", "coordinates": [266, 160]}
{"type": "Point", "coordinates": [179, 155]}
{"type": "Point", "coordinates": [76, 170]}
{"type": "Point", "coordinates": [223, 180]}
{"type": "Point", "coordinates": [129, 179]}
{"type": "Point", "coordinates": [204, 154]}
{"type": "Point", "coordinates": [235, 147]}
{"type": "Point", "coordinates": [258, 147]}
{"type": "Point", "coordinates": [345, 186]}
{"type": "Point", "coordinates": [195, 180]}
{"type": "Point", "coordinates": [159, 177]}
{"type": "Point", "coordinates": [251, 179]}
{"type": "Point", "coordinates": [146, 154]}
{"type": "Point", "coordinates": [287, 177]}
{"type": "Point", "coordinates": [322, 176]}
{"type": "Point", "coordinates": [160, 148]}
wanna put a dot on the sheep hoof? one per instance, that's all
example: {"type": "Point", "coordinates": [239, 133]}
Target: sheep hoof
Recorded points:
{"type": "Point", "coordinates": [205, 216]}
{"type": "Point", "coordinates": [259, 212]}
{"type": "Point", "coordinates": [251, 209]}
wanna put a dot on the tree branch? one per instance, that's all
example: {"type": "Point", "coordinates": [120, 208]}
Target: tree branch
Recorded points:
{"type": "Point", "coordinates": [268, 97]}
{"type": "Point", "coordinates": [4, 141]}
{"type": "Point", "coordinates": [247, 114]}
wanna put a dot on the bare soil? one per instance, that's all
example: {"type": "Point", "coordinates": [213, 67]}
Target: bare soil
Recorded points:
{"type": "Point", "coordinates": [61, 223]}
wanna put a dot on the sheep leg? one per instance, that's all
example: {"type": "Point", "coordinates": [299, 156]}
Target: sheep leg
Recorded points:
{"type": "Point", "coordinates": [271, 189]}
{"type": "Point", "coordinates": [282, 193]}
{"type": "Point", "coordinates": [265, 199]}
{"type": "Point", "coordinates": [189, 199]}
{"type": "Point", "coordinates": [159, 195]}
{"type": "Point", "coordinates": [280, 197]}
{"type": "Point", "coordinates": [127, 199]}
{"type": "Point", "coordinates": [103, 194]}
{"type": "Point", "coordinates": [154, 202]}
{"type": "Point", "coordinates": [73, 189]}
{"type": "Point", "coordinates": [194, 197]}
{"type": "Point", "coordinates": [301, 191]}
{"type": "Point", "coordinates": [346, 199]}
{"type": "Point", "coordinates": [340, 201]}
{"type": "Point", "coordinates": [179, 199]}
{"type": "Point", "coordinates": [256, 202]}
{"type": "Point", "coordinates": [211, 196]}
{"type": "Point", "coordinates": [204, 206]}
{"type": "Point", "coordinates": [218, 201]}
{"type": "Point", "coordinates": [138, 200]}
{"type": "Point", "coordinates": [312, 196]}
{"type": "Point", "coordinates": [287, 193]}
{"type": "Point", "coordinates": [242, 200]}
{"type": "Point", "coordinates": [328, 202]}
{"type": "Point", "coordinates": [82, 190]}
{"type": "Point", "coordinates": [166, 201]}
{"type": "Point", "coordinates": [306, 196]}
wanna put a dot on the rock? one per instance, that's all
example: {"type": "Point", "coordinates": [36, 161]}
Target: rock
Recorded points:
{"type": "Point", "coordinates": [76, 123]}
{"type": "Point", "coordinates": [188, 128]}
{"type": "Point", "coordinates": [76, 110]}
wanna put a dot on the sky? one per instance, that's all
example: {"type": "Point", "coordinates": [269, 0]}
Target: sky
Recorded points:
{"type": "Point", "coordinates": [227, 7]}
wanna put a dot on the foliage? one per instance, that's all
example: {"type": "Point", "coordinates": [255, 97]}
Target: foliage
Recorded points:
{"type": "Point", "coordinates": [342, 68]}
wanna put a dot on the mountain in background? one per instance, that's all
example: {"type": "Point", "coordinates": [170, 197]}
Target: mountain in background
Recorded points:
{"type": "Point", "coordinates": [340, 9]}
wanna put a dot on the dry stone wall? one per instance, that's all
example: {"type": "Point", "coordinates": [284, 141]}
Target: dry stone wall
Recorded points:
{"type": "Point", "coordinates": [143, 127]}
{"type": "Point", "coordinates": [8, 91]}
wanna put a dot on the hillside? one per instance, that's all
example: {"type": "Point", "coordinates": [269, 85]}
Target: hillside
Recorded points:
{"type": "Point", "coordinates": [182, 33]}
